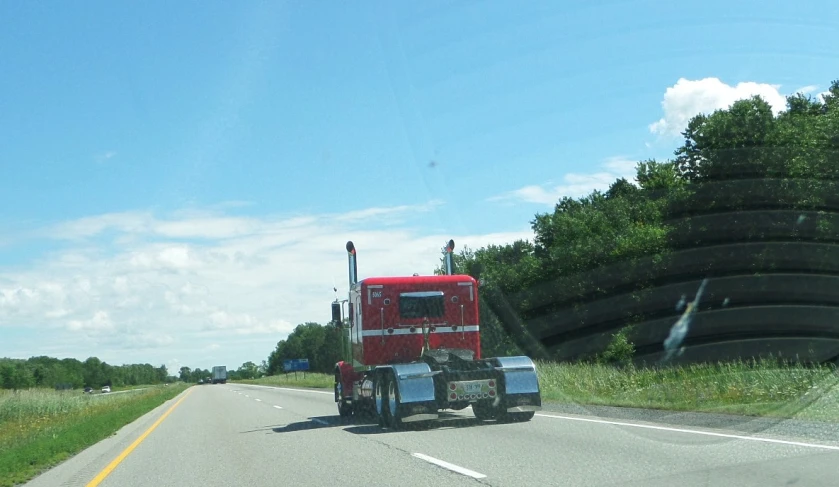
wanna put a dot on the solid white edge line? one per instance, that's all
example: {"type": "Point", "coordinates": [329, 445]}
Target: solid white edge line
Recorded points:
{"type": "Point", "coordinates": [449, 466]}
{"type": "Point", "coordinates": [278, 407]}
{"type": "Point", "coordinates": [319, 421]}
{"type": "Point", "coordinates": [295, 390]}
{"type": "Point", "coordinates": [695, 432]}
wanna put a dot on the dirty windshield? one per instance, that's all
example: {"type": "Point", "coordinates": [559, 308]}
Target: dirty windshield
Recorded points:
{"type": "Point", "coordinates": [395, 243]}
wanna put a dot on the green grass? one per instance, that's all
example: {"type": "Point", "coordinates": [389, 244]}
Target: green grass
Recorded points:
{"type": "Point", "coordinates": [310, 379]}
{"type": "Point", "coordinates": [40, 427]}
{"type": "Point", "coordinates": [754, 388]}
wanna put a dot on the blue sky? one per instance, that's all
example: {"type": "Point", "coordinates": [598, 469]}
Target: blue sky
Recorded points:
{"type": "Point", "coordinates": [169, 144]}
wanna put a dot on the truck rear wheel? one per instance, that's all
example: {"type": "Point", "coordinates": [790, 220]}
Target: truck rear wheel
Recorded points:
{"type": "Point", "coordinates": [517, 417]}
{"type": "Point", "coordinates": [391, 405]}
{"type": "Point", "coordinates": [484, 412]}
{"type": "Point", "coordinates": [345, 408]}
{"type": "Point", "coordinates": [379, 400]}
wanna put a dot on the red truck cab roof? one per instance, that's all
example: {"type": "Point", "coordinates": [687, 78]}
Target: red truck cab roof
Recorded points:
{"type": "Point", "coordinates": [434, 279]}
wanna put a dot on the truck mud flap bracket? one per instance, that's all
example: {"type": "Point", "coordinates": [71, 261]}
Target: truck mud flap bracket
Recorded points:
{"type": "Point", "coordinates": [415, 382]}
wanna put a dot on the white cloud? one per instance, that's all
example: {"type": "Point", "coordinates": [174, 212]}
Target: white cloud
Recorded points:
{"type": "Point", "coordinates": [204, 287]}
{"type": "Point", "coordinates": [99, 322]}
{"type": "Point", "coordinates": [688, 98]}
{"type": "Point", "coordinates": [127, 222]}
{"type": "Point", "coordinates": [574, 185]}
{"type": "Point", "coordinates": [386, 212]}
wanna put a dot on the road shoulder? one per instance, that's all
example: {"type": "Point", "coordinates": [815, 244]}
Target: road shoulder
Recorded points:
{"type": "Point", "coordinates": [752, 425]}
{"type": "Point", "coordinates": [81, 468]}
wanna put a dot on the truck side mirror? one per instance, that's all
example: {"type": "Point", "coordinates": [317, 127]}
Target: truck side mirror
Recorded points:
{"type": "Point", "coordinates": [336, 314]}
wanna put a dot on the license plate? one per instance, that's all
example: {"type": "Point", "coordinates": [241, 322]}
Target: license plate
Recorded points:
{"type": "Point", "coordinates": [471, 390]}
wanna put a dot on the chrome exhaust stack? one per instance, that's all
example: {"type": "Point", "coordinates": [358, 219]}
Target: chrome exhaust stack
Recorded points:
{"type": "Point", "coordinates": [450, 258]}
{"type": "Point", "coordinates": [353, 264]}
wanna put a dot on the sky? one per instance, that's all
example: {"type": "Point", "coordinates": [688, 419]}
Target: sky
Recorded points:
{"type": "Point", "coordinates": [178, 179]}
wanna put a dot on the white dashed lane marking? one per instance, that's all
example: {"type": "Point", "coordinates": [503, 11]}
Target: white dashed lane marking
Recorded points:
{"type": "Point", "coordinates": [449, 466]}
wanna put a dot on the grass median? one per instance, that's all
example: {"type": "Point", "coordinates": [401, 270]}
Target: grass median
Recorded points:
{"type": "Point", "coordinates": [40, 427]}
{"type": "Point", "coordinates": [312, 380]}
{"type": "Point", "coordinates": [758, 388]}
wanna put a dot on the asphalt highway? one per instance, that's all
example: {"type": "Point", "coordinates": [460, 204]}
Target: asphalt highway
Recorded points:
{"type": "Point", "coordinates": [242, 435]}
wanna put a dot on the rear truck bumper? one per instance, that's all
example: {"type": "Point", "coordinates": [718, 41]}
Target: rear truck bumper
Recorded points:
{"type": "Point", "coordinates": [520, 384]}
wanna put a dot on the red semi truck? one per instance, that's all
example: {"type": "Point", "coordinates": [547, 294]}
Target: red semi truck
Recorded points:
{"type": "Point", "coordinates": [412, 348]}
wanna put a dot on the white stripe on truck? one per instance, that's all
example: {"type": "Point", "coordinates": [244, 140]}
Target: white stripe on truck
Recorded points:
{"type": "Point", "coordinates": [418, 331]}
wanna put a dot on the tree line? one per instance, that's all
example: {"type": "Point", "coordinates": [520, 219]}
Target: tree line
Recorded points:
{"type": "Point", "coordinates": [71, 373]}
{"type": "Point", "coordinates": [248, 370]}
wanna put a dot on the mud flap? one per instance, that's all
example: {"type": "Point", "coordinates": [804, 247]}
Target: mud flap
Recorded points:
{"type": "Point", "coordinates": [521, 384]}
{"type": "Point", "coordinates": [415, 385]}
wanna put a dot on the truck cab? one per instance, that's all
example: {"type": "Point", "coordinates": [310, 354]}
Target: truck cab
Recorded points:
{"type": "Point", "coordinates": [393, 319]}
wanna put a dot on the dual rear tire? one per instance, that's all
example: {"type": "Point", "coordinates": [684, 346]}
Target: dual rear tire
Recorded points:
{"type": "Point", "coordinates": [388, 400]}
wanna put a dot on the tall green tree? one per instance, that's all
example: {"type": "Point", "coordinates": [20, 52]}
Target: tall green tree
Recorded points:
{"type": "Point", "coordinates": [248, 370]}
{"type": "Point", "coordinates": [320, 344]}
{"type": "Point", "coordinates": [186, 374]}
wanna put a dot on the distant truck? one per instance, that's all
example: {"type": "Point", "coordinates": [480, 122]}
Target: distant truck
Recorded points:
{"type": "Point", "coordinates": [219, 374]}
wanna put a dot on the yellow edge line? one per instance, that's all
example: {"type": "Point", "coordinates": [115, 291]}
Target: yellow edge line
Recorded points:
{"type": "Point", "coordinates": [116, 461]}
